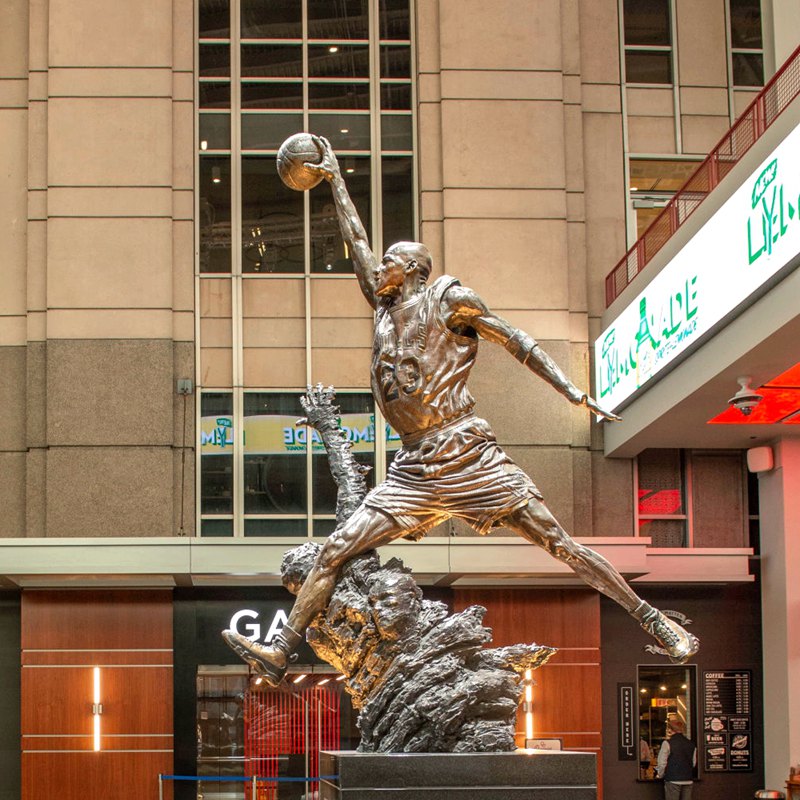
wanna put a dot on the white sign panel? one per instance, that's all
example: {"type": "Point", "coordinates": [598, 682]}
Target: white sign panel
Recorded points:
{"type": "Point", "coordinates": [750, 238]}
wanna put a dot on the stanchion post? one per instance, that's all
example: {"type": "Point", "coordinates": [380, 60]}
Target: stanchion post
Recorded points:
{"type": "Point", "coordinates": [160, 787]}
{"type": "Point", "coordinates": [255, 787]}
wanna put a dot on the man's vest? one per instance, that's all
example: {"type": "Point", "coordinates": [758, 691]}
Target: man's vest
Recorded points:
{"type": "Point", "coordinates": [679, 763]}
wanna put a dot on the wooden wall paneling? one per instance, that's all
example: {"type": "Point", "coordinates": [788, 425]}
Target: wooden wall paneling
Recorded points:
{"type": "Point", "coordinates": [66, 744]}
{"type": "Point", "coordinates": [95, 658]}
{"type": "Point", "coordinates": [56, 701]}
{"type": "Point", "coordinates": [135, 700]}
{"type": "Point", "coordinates": [567, 700]}
{"type": "Point", "coordinates": [128, 634]}
{"type": "Point", "coordinates": [94, 620]}
{"type": "Point", "coordinates": [93, 776]}
{"type": "Point", "coordinates": [557, 617]}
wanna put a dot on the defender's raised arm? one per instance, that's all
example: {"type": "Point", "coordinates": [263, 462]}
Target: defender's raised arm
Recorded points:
{"type": "Point", "coordinates": [364, 260]}
{"type": "Point", "coordinates": [465, 310]}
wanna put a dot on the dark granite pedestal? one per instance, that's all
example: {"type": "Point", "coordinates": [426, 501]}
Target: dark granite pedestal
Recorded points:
{"type": "Point", "coordinates": [524, 774]}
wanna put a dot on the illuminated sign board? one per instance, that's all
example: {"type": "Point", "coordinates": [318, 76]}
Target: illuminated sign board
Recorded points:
{"type": "Point", "coordinates": [246, 622]}
{"type": "Point", "coordinates": [272, 434]}
{"type": "Point", "coordinates": [747, 241]}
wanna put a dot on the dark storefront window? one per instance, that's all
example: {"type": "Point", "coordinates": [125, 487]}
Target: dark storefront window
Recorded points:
{"type": "Point", "coordinates": [648, 41]}
{"type": "Point", "coordinates": [293, 67]}
{"type": "Point", "coordinates": [662, 511]}
{"type": "Point", "coordinates": [747, 53]}
{"type": "Point", "coordinates": [248, 730]}
{"type": "Point", "coordinates": [692, 498]}
{"type": "Point", "coordinates": [345, 70]}
{"type": "Point", "coordinates": [216, 470]}
{"type": "Point", "coordinates": [753, 513]}
{"type": "Point", "coordinates": [664, 693]}
{"type": "Point", "coordinates": [653, 183]}
{"type": "Point", "coordinates": [282, 491]}
{"type": "Point", "coordinates": [229, 727]}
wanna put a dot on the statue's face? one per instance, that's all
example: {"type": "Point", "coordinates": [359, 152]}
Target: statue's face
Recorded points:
{"type": "Point", "coordinates": [391, 273]}
{"type": "Point", "coordinates": [395, 606]}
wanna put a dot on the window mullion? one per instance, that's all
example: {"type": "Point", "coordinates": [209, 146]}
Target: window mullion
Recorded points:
{"type": "Point", "coordinates": [376, 182]}
{"type": "Point", "coordinates": [414, 132]}
{"type": "Point", "coordinates": [236, 273]}
{"type": "Point", "coordinates": [307, 284]}
{"type": "Point", "coordinates": [676, 89]}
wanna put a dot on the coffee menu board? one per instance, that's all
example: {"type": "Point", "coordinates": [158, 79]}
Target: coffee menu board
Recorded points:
{"type": "Point", "coordinates": [728, 721]}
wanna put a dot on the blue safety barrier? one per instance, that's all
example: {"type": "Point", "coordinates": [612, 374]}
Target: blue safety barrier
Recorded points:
{"type": "Point", "coordinates": [240, 779]}
{"type": "Point", "coordinates": [253, 780]}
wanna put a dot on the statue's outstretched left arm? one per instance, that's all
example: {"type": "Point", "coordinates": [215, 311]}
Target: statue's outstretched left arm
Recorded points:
{"type": "Point", "coordinates": [464, 310]}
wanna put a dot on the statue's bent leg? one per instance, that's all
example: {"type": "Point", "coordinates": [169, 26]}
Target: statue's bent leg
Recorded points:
{"type": "Point", "coordinates": [366, 529]}
{"type": "Point", "coordinates": [535, 522]}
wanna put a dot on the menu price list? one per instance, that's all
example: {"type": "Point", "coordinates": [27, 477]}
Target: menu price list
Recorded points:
{"type": "Point", "coordinates": [727, 721]}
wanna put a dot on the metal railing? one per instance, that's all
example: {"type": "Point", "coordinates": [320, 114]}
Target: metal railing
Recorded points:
{"type": "Point", "coordinates": [769, 103]}
{"type": "Point", "coordinates": [253, 780]}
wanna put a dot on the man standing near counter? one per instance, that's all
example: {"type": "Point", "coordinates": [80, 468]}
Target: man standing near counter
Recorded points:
{"type": "Point", "coordinates": [677, 759]}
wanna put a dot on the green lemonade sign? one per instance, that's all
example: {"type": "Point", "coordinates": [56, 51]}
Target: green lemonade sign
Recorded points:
{"type": "Point", "coordinates": [753, 235]}
{"type": "Point", "coordinates": [279, 434]}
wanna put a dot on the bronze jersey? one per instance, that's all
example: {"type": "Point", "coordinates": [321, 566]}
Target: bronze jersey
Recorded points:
{"type": "Point", "coordinates": [419, 366]}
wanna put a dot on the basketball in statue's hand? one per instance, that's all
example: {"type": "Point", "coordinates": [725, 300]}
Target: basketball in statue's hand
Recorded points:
{"type": "Point", "coordinates": [292, 157]}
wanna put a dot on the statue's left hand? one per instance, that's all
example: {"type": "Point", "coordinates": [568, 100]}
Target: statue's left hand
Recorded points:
{"type": "Point", "coordinates": [318, 403]}
{"type": "Point", "coordinates": [593, 405]}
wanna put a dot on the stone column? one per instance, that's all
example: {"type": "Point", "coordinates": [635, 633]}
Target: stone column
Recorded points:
{"type": "Point", "coordinates": [781, 31]}
{"type": "Point", "coordinates": [779, 499]}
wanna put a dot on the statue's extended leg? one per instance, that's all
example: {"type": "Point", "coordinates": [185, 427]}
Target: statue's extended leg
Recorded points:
{"type": "Point", "coordinates": [366, 529]}
{"type": "Point", "coordinates": [538, 525]}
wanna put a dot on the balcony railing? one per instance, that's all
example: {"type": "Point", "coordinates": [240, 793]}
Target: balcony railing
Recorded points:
{"type": "Point", "coordinates": [770, 102]}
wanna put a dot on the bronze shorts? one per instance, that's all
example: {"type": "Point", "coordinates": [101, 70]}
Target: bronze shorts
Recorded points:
{"type": "Point", "coordinates": [460, 472]}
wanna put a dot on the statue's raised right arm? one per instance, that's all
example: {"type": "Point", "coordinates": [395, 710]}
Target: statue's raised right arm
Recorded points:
{"type": "Point", "coordinates": [364, 260]}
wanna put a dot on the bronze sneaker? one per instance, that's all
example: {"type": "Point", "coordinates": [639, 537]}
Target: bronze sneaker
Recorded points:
{"type": "Point", "coordinates": [676, 640]}
{"type": "Point", "coordinates": [268, 661]}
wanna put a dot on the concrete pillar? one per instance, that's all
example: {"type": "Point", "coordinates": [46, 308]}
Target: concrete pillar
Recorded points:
{"type": "Point", "coordinates": [780, 23]}
{"type": "Point", "coordinates": [779, 498]}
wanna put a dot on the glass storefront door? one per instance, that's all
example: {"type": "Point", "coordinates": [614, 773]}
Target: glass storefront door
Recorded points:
{"type": "Point", "coordinates": [247, 730]}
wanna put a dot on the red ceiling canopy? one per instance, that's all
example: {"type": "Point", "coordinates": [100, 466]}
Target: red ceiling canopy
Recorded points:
{"type": "Point", "coordinates": [781, 403]}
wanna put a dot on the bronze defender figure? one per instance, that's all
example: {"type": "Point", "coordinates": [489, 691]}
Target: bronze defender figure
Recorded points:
{"type": "Point", "coordinates": [425, 343]}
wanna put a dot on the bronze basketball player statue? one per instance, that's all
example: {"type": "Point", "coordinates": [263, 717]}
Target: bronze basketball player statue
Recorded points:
{"type": "Point", "coordinates": [450, 465]}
